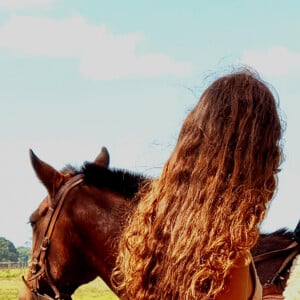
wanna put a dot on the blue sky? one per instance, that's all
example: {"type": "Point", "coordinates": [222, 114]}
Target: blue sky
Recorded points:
{"type": "Point", "coordinates": [77, 75]}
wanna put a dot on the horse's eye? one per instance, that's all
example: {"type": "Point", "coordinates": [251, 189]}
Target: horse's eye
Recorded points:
{"type": "Point", "coordinates": [32, 223]}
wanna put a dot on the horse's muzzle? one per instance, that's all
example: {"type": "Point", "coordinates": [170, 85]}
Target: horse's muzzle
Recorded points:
{"type": "Point", "coordinates": [29, 294]}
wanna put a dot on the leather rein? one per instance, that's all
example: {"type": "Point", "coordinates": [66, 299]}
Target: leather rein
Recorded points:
{"type": "Point", "coordinates": [38, 267]}
{"type": "Point", "coordinates": [270, 287]}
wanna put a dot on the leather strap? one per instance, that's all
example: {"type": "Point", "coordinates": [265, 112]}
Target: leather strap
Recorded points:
{"type": "Point", "coordinates": [39, 254]}
{"type": "Point", "coordinates": [274, 253]}
{"type": "Point", "coordinates": [271, 291]}
{"type": "Point", "coordinates": [273, 297]}
{"type": "Point", "coordinates": [53, 213]}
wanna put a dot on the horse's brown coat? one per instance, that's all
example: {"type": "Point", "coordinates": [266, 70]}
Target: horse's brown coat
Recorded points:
{"type": "Point", "coordinates": [84, 242]}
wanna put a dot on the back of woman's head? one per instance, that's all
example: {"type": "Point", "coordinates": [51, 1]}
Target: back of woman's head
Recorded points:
{"type": "Point", "coordinates": [234, 131]}
{"type": "Point", "coordinates": [204, 210]}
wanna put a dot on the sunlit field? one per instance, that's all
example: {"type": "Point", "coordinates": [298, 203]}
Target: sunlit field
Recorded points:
{"type": "Point", "coordinates": [11, 283]}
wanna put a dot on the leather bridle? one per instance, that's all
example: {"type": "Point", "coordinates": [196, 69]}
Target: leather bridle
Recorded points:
{"type": "Point", "coordinates": [38, 266]}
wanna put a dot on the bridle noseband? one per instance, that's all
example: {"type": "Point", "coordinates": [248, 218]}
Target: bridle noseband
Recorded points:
{"type": "Point", "coordinates": [38, 267]}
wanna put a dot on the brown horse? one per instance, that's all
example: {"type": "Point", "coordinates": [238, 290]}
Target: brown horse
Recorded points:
{"type": "Point", "coordinates": [273, 256]}
{"type": "Point", "coordinates": [76, 227]}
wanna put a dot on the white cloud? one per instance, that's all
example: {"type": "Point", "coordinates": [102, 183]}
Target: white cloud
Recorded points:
{"type": "Point", "coordinates": [42, 36]}
{"type": "Point", "coordinates": [274, 61]}
{"type": "Point", "coordinates": [102, 55]}
{"type": "Point", "coordinates": [19, 4]}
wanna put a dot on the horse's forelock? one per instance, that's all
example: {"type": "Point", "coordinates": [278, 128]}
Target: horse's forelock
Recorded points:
{"type": "Point", "coordinates": [69, 169]}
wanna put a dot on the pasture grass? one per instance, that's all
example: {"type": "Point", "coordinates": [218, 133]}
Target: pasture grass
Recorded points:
{"type": "Point", "coordinates": [11, 283]}
{"type": "Point", "coordinates": [95, 289]}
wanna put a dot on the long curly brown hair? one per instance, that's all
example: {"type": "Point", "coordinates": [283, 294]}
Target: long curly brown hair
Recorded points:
{"type": "Point", "coordinates": [204, 211]}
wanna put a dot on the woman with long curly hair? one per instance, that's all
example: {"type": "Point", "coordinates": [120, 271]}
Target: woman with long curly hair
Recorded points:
{"type": "Point", "coordinates": [191, 233]}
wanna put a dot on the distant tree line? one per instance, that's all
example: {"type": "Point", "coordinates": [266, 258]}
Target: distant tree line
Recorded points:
{"type": "Point", "coordinates": [9, 253]}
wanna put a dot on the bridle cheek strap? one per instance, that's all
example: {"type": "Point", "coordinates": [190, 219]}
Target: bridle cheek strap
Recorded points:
{"type": "Point", "coordinates": [39, 254]}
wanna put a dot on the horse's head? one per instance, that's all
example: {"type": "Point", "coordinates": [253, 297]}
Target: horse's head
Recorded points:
{"type": "Point", "coordinates": [59, 258]}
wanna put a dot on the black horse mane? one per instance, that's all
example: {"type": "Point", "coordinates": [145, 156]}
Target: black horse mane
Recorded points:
{"type": "Point", "coordinates": [279, 233]}
{"type": "Point", "coordinates": [119, 181]}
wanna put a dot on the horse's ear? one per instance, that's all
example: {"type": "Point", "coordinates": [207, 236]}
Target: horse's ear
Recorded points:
{"type": "Point", "coordinates": [102, 159]}
{"type": "Point", "coordinates": [50, 178]}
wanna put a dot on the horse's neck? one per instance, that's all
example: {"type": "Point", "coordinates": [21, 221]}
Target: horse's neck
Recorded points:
{"type": "Point", "coordinates": [268, 268]}
{"type": "Point", "coordinates": [101, 213]}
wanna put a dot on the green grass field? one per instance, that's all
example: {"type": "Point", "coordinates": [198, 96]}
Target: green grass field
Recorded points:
{"type": "Point", "coordinates": [11, 283]}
